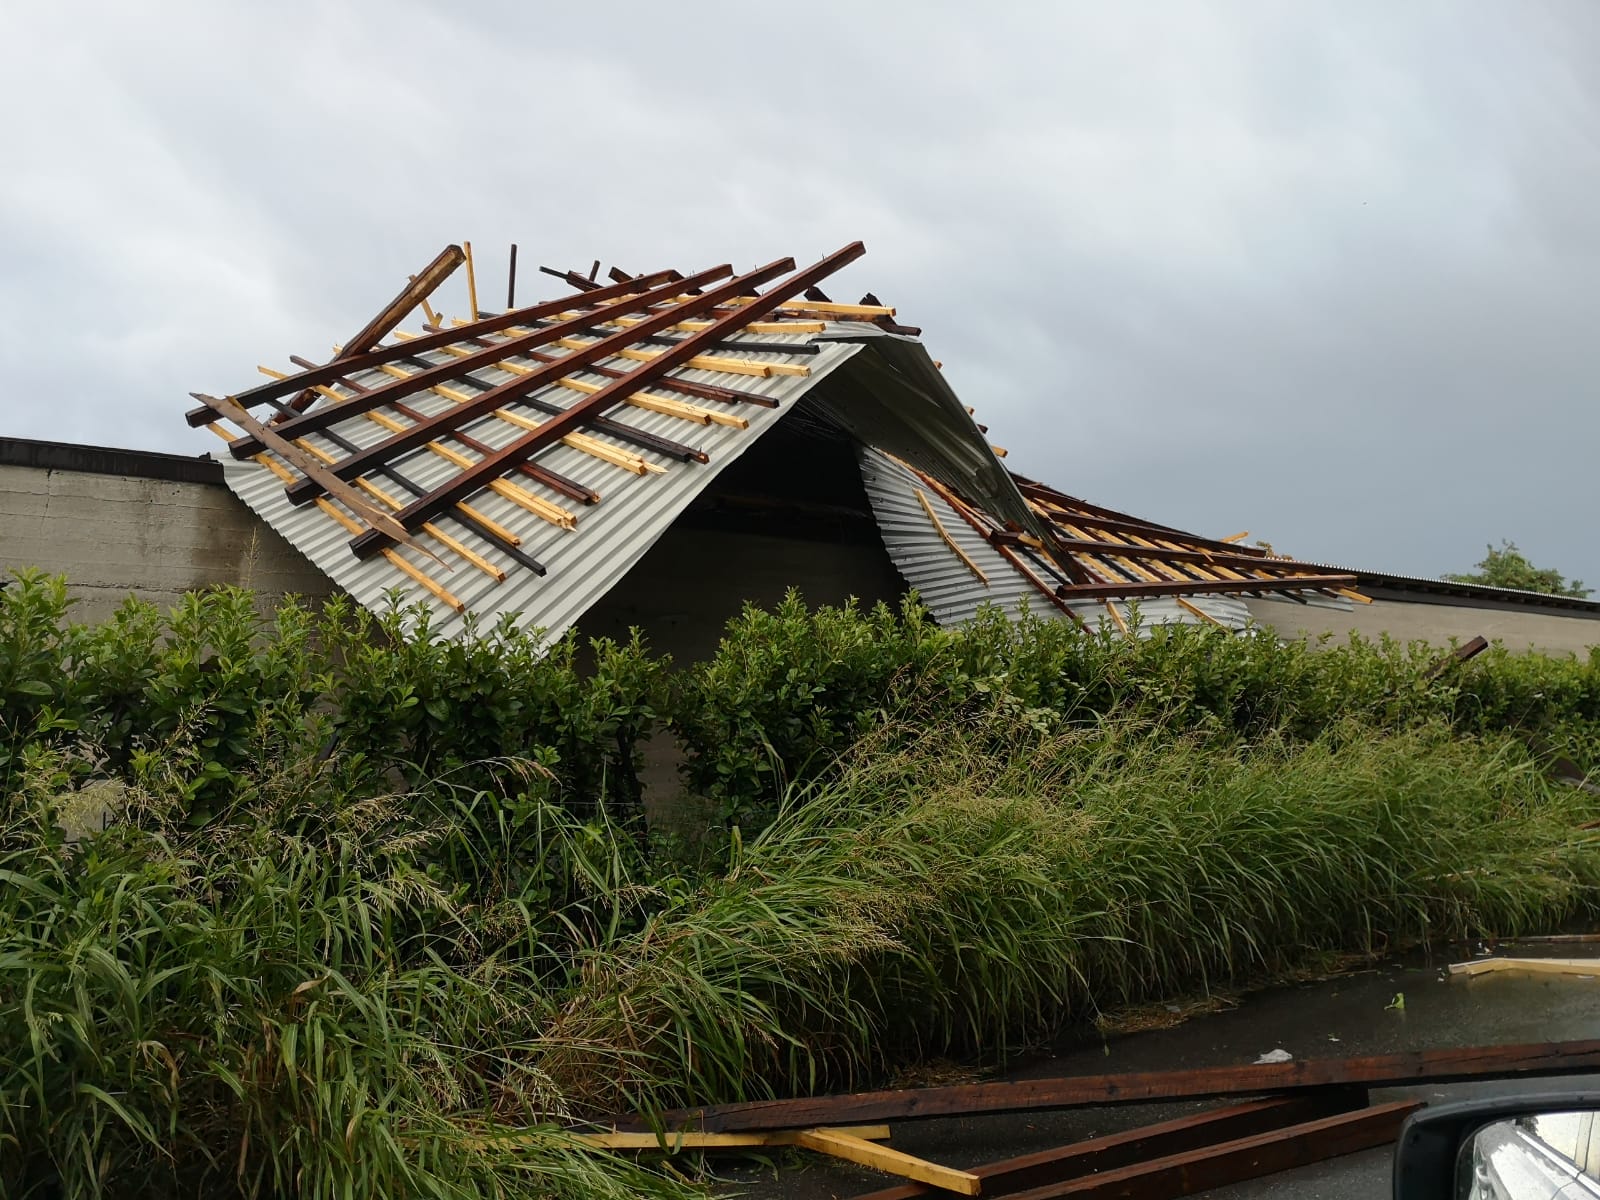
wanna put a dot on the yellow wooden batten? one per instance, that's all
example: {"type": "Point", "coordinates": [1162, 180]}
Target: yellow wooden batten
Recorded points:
{"type": "Point", "coordinates": [394, 426]}
{"type": "Point", "coordinates": [649, 401]}
{"type": "Point", "coordinates": [351, 526]}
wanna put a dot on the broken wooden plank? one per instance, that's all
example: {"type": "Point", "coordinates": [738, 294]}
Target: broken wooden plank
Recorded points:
{"type": "Point", "coordinates": [1538, 966]}
{"type": "Point", "coordinates": [374, 331]}
{"type": "Point", "coordinates": [1457, 656]}
{"type": "Point", "coordinates": [1234, 1162]}
{"type": "Point", "coordinates": [838, 1144]}
{"type": "Point", "coordinates": [1076, 1091]}
{"type": "Point", "coordinates": [674, 1142]}
{"type": "Point", "coordinates": [309, 468]}
{"type": "Point", "coordinates": [1147, 1142]}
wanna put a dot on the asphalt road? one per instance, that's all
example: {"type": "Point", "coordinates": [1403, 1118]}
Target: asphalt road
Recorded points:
{"type": "Point", "coordinates": [1352, 1015]}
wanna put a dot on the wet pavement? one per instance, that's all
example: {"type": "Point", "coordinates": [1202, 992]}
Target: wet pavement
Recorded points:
{"type": "Point", "coordinates": [1354, 1014]}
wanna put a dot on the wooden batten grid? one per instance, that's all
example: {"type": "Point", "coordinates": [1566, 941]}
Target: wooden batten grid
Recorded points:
{"type": "Point", "coordinates": [613, 393]}
{"type": "Point", "coordinates": [615, 347]}
{"type": "Point", "coordinates": [1102, 556]}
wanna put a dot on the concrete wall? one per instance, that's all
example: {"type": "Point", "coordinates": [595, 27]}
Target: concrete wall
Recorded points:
{"type": "Point", "coordinates": [688, 585]}
{"type": "Point", "coordinates": [115, 533]}
{"type": "Point", "coordinates": [1437, 623]}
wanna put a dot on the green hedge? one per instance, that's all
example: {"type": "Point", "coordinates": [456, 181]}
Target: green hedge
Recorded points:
{"type": "Point", "coordinates": [787, 692]}
{"type": "Point", "coordinates": [791, 688]}
{"type": "Point", "coordinates": [221, 680]}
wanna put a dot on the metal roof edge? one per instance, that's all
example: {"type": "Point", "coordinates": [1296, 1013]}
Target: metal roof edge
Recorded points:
{"type": "Point", "coordinates": [108, 460]}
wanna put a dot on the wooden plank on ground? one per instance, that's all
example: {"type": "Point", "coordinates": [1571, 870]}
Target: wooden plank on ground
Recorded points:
{"type": "Point", "coordinates": [1236, 1161]}
{"type": "Point", "coordinates": [1538, 966]}
{"type": "Point", "coordinates": [1075, 1091]}
{"type": "Point", "coordinates": [838, 1144]}
{"type": "Point", "coordinates": [1147, 1142]}
{"type": "Point", "coordinates": [674, 1142]}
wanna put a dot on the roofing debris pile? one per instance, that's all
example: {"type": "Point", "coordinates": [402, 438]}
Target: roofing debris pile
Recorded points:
{"type": "Point", "coordinates": [1279, 1115]}
{"type": "Point", "coordinates": [521, 462]}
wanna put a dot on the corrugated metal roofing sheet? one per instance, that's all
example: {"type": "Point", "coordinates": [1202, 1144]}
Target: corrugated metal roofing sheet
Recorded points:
{"type": "Point", "coordinates": [954, 593]}
{"type": "Point", "coordinates": [582, 564]}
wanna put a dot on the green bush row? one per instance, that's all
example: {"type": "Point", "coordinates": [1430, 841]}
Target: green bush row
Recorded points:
{"type": "Point", "coordinates": [791, 688]}
{"type": "Point", "coordinates": [216, 677]}
{"type": "Point", "coordinates": [788, 691]}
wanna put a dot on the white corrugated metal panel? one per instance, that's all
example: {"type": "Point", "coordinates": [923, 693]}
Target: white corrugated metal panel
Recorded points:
{"type": "Point", "coordinates": [581, 564]}
{"type": "Point", "coordinates": [897, 400]}
{"type": "Point", "coordinates": [950, 589]}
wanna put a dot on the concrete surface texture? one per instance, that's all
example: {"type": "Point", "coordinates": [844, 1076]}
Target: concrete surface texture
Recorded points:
{"type": "Point", "coordinates": [687, 587]}
{"type": "Point", "coordinates": [116, 534]}
{"type": "Point", "coordinates": [1347, 1016]}
{"type": "Point", "coordinates": [1436, 623]}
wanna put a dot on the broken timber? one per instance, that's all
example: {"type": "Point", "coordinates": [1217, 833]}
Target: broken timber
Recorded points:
{"type": "Point", "coordinates": [1587, 968]}
{"type": "Point", "coordinates": [1033, 1095]}
{"type": "Point", "coordinates": [1146, 1143]}
{"type": "Point", "coordinates": [1247, 1158]}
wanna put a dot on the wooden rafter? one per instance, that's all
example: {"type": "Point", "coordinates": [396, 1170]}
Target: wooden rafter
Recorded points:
{"type": "Point", "coordinates": [366, 360]}
{"type": "Point", "coordinates": [475, 478]}
{"type": "Point", "coordinates": [455, 369]}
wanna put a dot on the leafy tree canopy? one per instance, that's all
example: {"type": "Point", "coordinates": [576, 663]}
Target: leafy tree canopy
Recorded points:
{"type": "Point", "coordinates": [1508, 567]}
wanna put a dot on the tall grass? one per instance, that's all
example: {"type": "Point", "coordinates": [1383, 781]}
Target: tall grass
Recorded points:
{"type": "Point", "coordinates": [287, 1001]}
{"type": "Point", "coordinates": [963, 890]}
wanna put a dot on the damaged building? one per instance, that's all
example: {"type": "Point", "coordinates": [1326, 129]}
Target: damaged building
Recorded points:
{"type": "Point", "coordinates": [654, 450]}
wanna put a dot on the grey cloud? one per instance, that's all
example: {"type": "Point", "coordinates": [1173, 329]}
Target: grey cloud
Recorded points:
{"type": "Point", "coordinates": [1323, 273]}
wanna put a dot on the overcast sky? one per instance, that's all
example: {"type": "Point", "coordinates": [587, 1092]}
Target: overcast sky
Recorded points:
{"type": "Point", "coordinates": [1326, 273]}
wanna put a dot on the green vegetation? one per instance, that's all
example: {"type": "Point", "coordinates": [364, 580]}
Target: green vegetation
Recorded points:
{"type": "Point", "coordinates": [1508, 567]}
{"type": "Point", "coordinates": [370, 916]}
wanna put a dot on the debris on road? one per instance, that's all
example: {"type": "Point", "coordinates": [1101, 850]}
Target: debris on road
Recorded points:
{"type": "Point", "coordinates": [1079, 1091]}
{"type": "Point", "coordinates": [1587, 967]}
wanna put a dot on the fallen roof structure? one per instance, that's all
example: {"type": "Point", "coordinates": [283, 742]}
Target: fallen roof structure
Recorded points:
{"type": "Point", "coordinates": [517, 464]}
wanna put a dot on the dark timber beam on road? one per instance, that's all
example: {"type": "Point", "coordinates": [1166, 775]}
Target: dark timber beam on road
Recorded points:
{"type": "Point", "coordinates": [1077, 1091]}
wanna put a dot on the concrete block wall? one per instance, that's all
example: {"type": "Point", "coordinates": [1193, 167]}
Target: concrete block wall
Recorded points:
{"type": "Point", "coordinates": [155, 525]}
{"type": "Point", "coordinates": [1408, 621]}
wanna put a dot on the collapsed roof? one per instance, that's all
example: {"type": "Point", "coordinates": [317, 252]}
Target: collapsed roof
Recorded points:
{"type": "Point", "coordinates": [519, 463]}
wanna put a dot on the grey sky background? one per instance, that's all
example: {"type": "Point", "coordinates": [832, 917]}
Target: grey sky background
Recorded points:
{"type": "Point", "coordinates": [1326, 273]}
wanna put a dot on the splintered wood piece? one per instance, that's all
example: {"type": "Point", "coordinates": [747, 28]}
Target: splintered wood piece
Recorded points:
{"type": "Point", "coordinates": [327, 506]}
{"type": "Point", "coordinates": [416, 292]}
{"type": "Point", "coordinates": [838, 1144]}
{"type": "Point", "coordinates": [472, 281]}
{"type": "Point", "coordinates": [309, 468]}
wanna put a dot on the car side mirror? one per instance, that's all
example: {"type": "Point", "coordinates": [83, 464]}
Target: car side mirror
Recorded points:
{"type": "Point", "coordinates": [1537, 1147]}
